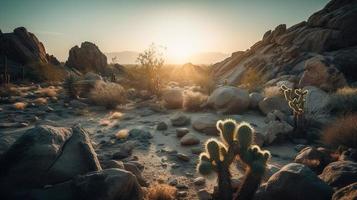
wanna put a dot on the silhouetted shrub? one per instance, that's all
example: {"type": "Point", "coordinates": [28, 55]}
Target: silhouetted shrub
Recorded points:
{"type": "Point", "coordinates": [160, 192]}
{"type": "Point", "coordinates": [192, 101]}
{"type": "Point", "coordinates": [343, 101]}
{"type": "Point", "coordinates": [342, 133]}
{"type": "Point", "coordinates": [70, 86]}
{"type": "Point", "coordinates": [44, 72]}
{"type": "Point", "coordinates": [107, 94]}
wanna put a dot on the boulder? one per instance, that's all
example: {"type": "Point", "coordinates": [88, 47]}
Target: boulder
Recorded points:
{"type": "Point", "coordinates": [51, 154]}
{"type": "Point", "coordinates": [109, 184]}
{"type": "Point", "coordinates": [161, 126]}
{"type": "Point", "coordinates": [320, 73]}
{"type": "Point", "coordinates": [340, 174]}
{"type": "Point", "coordinates": [314, 158]}
{"type": "Point", "coordinates": [206, 123]}
{"type": "Point", "coordinates": [255, 98]}
{"type": "Point", "coordinates": [294, 182]}
{"type": "Point", "coordinates": [269, 104]}
{"type": "Point", "coordinates": [346, 193]}
{"type": "Point", "coordinates": [276, 129]}
{"type": "Point", "coordinates": [173, 98]}
{"type": "Point", "coordinates": [87, 58]}
{"type": "Point", "coordinates": [135, 170]}
{"type": "Point", "coordinates": [316, 100]}
{"type": "Point", "coordinates": [229, 100]}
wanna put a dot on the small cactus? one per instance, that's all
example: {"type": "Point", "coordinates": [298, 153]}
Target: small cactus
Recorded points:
{"type": "Point", "coordinates": [218, 156]}
{"type": "Point", "coordinates": [70, 86]}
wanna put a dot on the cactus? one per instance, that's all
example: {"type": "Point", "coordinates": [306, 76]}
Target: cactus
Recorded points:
{"type": "Point", "coordinates": [237, 141]}
{"type": "Point", "coordinates": [296, 101]}
{"type": "Point", "coordinates": [70, 86]}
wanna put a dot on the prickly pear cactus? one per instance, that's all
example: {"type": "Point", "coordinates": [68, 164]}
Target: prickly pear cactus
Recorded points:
{"type": "Point", "coordinates": [236, 142]}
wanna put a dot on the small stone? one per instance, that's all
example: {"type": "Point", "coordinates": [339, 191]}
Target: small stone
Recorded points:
{"type": "Point", "coordinates": [179, 119]}
{"type": "Point", "coordinates": [173, 182]}
{"type": "Point", "coordinates": [180, 132]}
{"type": "Point", "coordinates": [181, 186]}
{"type": "Point", "coordinates": [196, 150]}
{"type": "Point", "coordinates": [162, 126]}
{"type": "Point", "coordinates": [181, 194]}
{"type": "Point", "coordinates": [189, 139]}
{"type": "Point", "coordinates": [203, 194]}
{"type": "Point", "coordinates": [183, 157]}
{"type": "Point", "coordinates": [199, 181]}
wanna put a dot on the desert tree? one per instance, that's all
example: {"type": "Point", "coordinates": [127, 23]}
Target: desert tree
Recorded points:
{"type": "Point", "coordinates": [151, 61]}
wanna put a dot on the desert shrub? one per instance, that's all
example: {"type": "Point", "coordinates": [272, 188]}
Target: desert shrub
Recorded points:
{"type": "Point", "coordinates": [252, 79]}
{"type": "Point", "coordinates": [343, 101]}
{"type": "Point", "coordinates": [107, 94]}
{"type": "Point", "coordinates": [160, 192]}
{"type": "Point", "coordinates": [272, 91]}
{"type": "Point", "coordinates": [48, 92]}
{"type": "Point", "coordinates": [342, 133]}
{"type": "Point", "coordinates": [70, 86]}
{"type": "Point", "coordinates": [151, 61]}
{"type": "Point", "coordinates": [45, 72]}
{"type": "Point", "coordinates": [192, 101]}
{"type": "Point", "coordinates": [40, 101]}
{"type": "Point", "coordinates": [19, 105]}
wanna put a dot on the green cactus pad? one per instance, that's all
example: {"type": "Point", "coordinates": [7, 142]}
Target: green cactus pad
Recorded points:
{"type": "Point", "coordinates": [212, 148]}
{"type": "Point", "coordinates": [244, 135]}
{"type": "Point", "coordinates": [227, 130]}
{"type": "Point", "coordinates": [205, 168]}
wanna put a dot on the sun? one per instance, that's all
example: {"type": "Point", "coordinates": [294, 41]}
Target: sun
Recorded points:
{"type": "Point", "coordinates": [179, 51]}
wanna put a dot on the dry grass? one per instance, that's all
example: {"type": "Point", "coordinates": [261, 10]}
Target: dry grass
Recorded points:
{"type": "Point", "coordinates": [48, 92]}
{"type": "Point", "coordinates": [272, 91]}
{"type": "Point", "coordinates": [160, 192]}
{"type": "Point", "coordinates": [116, 115]}
{"type": "Point", "coordinates": [107, 94]}
{"type": "Point", "coordinates": [9, 90]}
{"type": "Point", "coordinates": [19, 105]}
{"type": "Point", "coordinates": [192, 101]}
{"type": "Point", "coordinates": [40, 101]}
{"type": "Point", "coordinates": [70, 86]}
{"type": "Point", "coordinates": [45, 72]}
{"type": "Point", "coordinates": [251, 79]}
{"type": "Point", "coordinates": [342, 133]}
{"type": "Point", "coordinates": [343, 101]}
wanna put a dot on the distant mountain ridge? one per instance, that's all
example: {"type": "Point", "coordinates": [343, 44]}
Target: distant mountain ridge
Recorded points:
{"type": "Point", "coordinates": [129, 57]}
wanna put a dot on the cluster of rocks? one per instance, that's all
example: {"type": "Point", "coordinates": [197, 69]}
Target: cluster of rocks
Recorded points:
{"type": "Point", "coordinates": [64, 165]}
{"type": "Point", "coordinates": [319, 52]}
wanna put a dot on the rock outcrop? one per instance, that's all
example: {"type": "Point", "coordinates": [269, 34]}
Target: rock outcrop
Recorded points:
{"type": "Point", "coordinates": [87, 58]}
{"type": "Point", "coordinates": [321, 51]}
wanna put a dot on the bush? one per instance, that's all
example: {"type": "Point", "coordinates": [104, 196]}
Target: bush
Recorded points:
{"type": "Point", "coordinates": [252, 79]}
{"type": "Point", "coordinates": [45, 72]}
{"type": "Point", "coordinates": [343, 101]}
{"type": "Point", "coordinates": [160, 192]}
{"type": "Point", "coordinates": [192, 101]}
{"type": "Point", "coordinates": [48, 92]}
{"type": "Point", "coordinates": [70, 86]}
{"type": "Point", "coordinates": [107, 94]}
{"type": "Point", "coordinates": [342, 133]}
{"type": "Point", "coordinates": [9, 90]}
{"type": "Point", "coordinates": [19, 105]}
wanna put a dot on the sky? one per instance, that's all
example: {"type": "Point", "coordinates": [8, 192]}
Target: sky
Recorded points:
{"type": "Point", "coordinates": [184, 27]}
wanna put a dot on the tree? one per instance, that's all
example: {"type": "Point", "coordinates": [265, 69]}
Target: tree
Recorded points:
{"type": "Point", "coordinates": [151, 61]}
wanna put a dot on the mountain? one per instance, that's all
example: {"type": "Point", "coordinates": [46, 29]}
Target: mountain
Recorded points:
{"type": "Point", "coordinates": [129, 57]}
{"type": "Point", "coordinates": [321, 51]}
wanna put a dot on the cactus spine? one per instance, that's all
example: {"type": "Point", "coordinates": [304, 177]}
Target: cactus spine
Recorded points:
{"type": "Point", "coordinates": [237, 141]}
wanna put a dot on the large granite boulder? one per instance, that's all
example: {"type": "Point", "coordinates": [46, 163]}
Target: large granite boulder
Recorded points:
{"type": "Point", "coordinates": [294, 182]}
{"type": "Point", "coordinates": [87, 58]}
{"type": "Point", "coordinates": [229, 100]}
{"type": "Point", "coordinates": [340, 174]}
{"type": "Point", "coordinates": [47, 155]}
{"type": "Point", "coordinates": [346, 193]}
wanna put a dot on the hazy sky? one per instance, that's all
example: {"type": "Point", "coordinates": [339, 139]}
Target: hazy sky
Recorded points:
{"type": "Point", "coordinates": [182, 26]}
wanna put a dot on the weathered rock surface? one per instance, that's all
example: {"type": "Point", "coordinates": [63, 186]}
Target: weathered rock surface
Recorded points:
{"type": "Point", "coordinates": [340, 174]}
{"type": "Point", "coordinates": [87, 58]}
{"type": "Point", "coordinates": [314, 158]}
{"type": "Point", "coordinates": [47, 155]}
{"type": "Point", "coordinates": [346, 193]}
{"type": "Point", "coordinates": [328, 34]}
{"type": "Point", "coordinates": [173, 98]}
{"type": "Point", "coordinates": [229, 100]}
{"type": "Point", "coordinates": [295, 182]}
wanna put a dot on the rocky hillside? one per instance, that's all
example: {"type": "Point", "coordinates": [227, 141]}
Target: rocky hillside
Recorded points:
{"type": "Point", "coordinates": [320, 51]}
